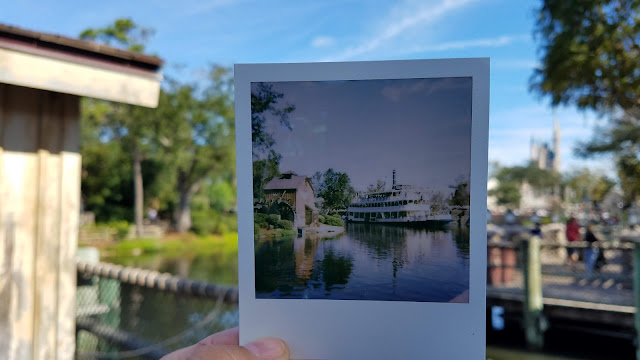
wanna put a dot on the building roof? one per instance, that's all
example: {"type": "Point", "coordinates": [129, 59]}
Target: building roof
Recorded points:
{"type": "Point", "coordinates": [77, 67]}
{"type": "Point", "coordinates": [286, 182]}
{"type": "Point", "coordinates": [56, 46]}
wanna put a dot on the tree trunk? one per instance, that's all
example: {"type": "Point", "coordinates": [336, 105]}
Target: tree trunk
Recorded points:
{"type": "Point", "coordinates": [182, 215]}
{"type": "Point", "coordinates": [138, 191]}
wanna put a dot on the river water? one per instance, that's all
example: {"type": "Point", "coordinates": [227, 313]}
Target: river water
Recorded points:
{"type": "Point", "coordinates": [367, 262]}
{"type": "Point", "coordinates": [394, 262]}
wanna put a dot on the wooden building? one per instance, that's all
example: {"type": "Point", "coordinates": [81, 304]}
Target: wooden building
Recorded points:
{"type": "Point", "coordinates": [42, 78]}
{"type": "Point", "coordinates": [292, 196]}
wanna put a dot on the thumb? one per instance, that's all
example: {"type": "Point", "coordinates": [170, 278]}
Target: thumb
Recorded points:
{"type": "Point", "coordinates": [263, 349]}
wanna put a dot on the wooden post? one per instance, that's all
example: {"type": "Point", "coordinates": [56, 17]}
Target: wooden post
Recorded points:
{"type": "Point", "coordinates": [39, 215]}
{"type": "Point", "coordinates": [532, 293]}
{"type": "Point", "coordinates": [636, 293]}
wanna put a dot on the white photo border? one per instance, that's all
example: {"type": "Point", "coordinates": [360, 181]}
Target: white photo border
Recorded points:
{"type": "Point", "coordinates": [365, 329]}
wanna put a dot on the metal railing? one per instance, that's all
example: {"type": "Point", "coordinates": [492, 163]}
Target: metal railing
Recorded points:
{"type": "Point", "coordinates": [539, 282]}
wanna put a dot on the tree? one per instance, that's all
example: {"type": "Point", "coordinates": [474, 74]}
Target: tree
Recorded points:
{"type": "Point", "coordinates": [461, 195]}
{"type": "Point", "coordinates": [125, 123]}
{"type": "Point", "coordinates": [588, 185]}
{"type": "Point", "coordinates": [264, 101]}
{"type": "Point", "coordinates": [539, 179]}
{"type": "Point", "coordinates": [195, 136]}
{"type": "Point", "coordinates": [122, 33]}
{"type": "Point", "coordinates": [263, 171]}
{"type": "Point", "coordinates": [377, 187]}
{"type": "Point", "coordinates": [507, 193]}
{"type": "Point", "coordinates": [336, 190]}
{"type": "Point", "coordinates": [590, 60]}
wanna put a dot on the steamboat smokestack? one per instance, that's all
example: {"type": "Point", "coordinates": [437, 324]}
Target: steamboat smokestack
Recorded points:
{"type": "Point", "coordinates": [394, 179]}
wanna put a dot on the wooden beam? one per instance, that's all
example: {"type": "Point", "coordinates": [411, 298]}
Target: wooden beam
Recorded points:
{"type": "Point", "coordinates": [67, 77]}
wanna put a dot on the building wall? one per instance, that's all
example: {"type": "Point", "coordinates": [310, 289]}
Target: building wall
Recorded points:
{"type": "Point", "coordinates": [39, 214]}
{"type": "Point", "coordinates": [305, 197]}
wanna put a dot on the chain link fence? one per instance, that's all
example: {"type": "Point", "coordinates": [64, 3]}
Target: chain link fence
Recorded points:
{"type": "Point", "coordinates": [129, 313]}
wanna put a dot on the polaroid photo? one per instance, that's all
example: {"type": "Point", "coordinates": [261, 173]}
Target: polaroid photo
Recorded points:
{"type": "Point", "coordinates": [362, 207]}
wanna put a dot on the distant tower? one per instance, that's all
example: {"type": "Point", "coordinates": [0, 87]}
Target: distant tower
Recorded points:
{"type": "Point", "coordinates": [556, 145]}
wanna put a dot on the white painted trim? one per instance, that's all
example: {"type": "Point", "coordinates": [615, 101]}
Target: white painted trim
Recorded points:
{"type": "Point", "coordinates": [40, 72]}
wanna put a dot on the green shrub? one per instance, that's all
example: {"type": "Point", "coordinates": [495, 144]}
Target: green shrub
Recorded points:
{"type": "Point", "coordinates": [285, 225]}
{"type": "Point", "coordinates": [331, 220]}
{"type": "Point", "coordinates": [273, 219]}
{"type": "Point", "coordinates": [121, 228]}
{"type": "Point", "coordinates": [260, 220]}
{"type": "Point", "coordinates": [205, 222]}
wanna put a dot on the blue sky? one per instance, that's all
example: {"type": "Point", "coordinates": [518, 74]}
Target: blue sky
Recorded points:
{"type": "Point", "coordinates": [368, 128]}
{"type": "Point", "coordinates": [190, 34]}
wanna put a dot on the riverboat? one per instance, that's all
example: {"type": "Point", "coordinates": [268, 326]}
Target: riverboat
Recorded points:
{"type": "Point", "coordinates": [402, 205]}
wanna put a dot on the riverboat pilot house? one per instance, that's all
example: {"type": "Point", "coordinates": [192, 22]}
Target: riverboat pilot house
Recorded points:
{"type": "Point", "coordinates": [292, 197]}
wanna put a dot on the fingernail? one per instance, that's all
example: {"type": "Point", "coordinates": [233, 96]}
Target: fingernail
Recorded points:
{"type": "Point", "coordinates": [267, 348]}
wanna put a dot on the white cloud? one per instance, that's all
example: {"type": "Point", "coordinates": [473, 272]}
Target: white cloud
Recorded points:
{"type": "Point", "coordinates": [322, 41]}
{"type": "Point", "coordinates": [404, 18]}
{"type": "Point", "coordinates": [459, 45]}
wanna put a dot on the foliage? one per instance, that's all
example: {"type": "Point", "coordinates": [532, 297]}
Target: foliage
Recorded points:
{"type": "Point", "coordinates": [438, 202]}
{"type": "Point", "coordinates": [185, 244]}
{"type": "Point", "coordinates": [260, 220]}
{"type": "Point", "coordinates": [590, 60]}
{"type": "Point", "coordinates": [120, 226]}
{"type": "Point", "coordinates": [285, 225]}
{"type": "Point", "coordinates": [461, 195]}
{"type": "Point", "coordinates": [209, 221]}
{"type": "Point", "coordinates": [107, 182]}
{"type": "Point", "coordinates": [331, 220]}
{"type": "Point", "coordinates": [335, 189]}
{"type": "Point", "coordinates": [588, 185]}
{"type": "Point", "coordinates": [122, 33]}
{"type": "Point", "coordinates": [265, 101]}
{"type": "Point", "coordinates": [273, 219]}
{"type": "Point", "coordinates": [539, 179]}
{"type": "Point", "coordinates": [507, 193]}
{"type": "Point", "coordinates": [377, 187]}
{"type": "Point", "coordinates": [194, 135]}
{"type": "Point", "coordinates": [263, 171]}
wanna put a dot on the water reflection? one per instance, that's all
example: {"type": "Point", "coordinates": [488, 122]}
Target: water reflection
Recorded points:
{"type": "Point", "coordinates": [367, 262]}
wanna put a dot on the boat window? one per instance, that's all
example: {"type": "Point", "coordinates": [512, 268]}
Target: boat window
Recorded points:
{"type": "Point", "coordinates": [410, 201]}
{"type": "Point", "coordinates": [387, 215]}
{"type": "Point", "coordinates": [404, 202]}
{"type": "Point", "coordinates": [403, 214]}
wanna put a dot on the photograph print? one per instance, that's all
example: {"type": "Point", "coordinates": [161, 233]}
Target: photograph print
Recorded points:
{"type": "Point", "coordinates": [361, 189]}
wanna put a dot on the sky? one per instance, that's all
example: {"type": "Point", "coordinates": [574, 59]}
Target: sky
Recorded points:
{"type": "Point", "coordinates": [193, 34]}
{"type": "Point", "coordinates": [367, 128]}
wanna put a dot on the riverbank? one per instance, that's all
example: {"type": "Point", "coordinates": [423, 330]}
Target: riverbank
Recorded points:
{"type": "Point", "coordinates": [324, 230]}
{"type": "Point", "coordinates": [175, 245]}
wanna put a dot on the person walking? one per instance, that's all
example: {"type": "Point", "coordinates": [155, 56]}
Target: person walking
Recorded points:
{"type": "Point", "coordinates": [592, 252]}
{"type": "Point", "coordinates": [573, 235]}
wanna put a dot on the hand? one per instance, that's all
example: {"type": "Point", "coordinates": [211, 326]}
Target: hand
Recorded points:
{"type": "Point", "coordinates": [224, 346]}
